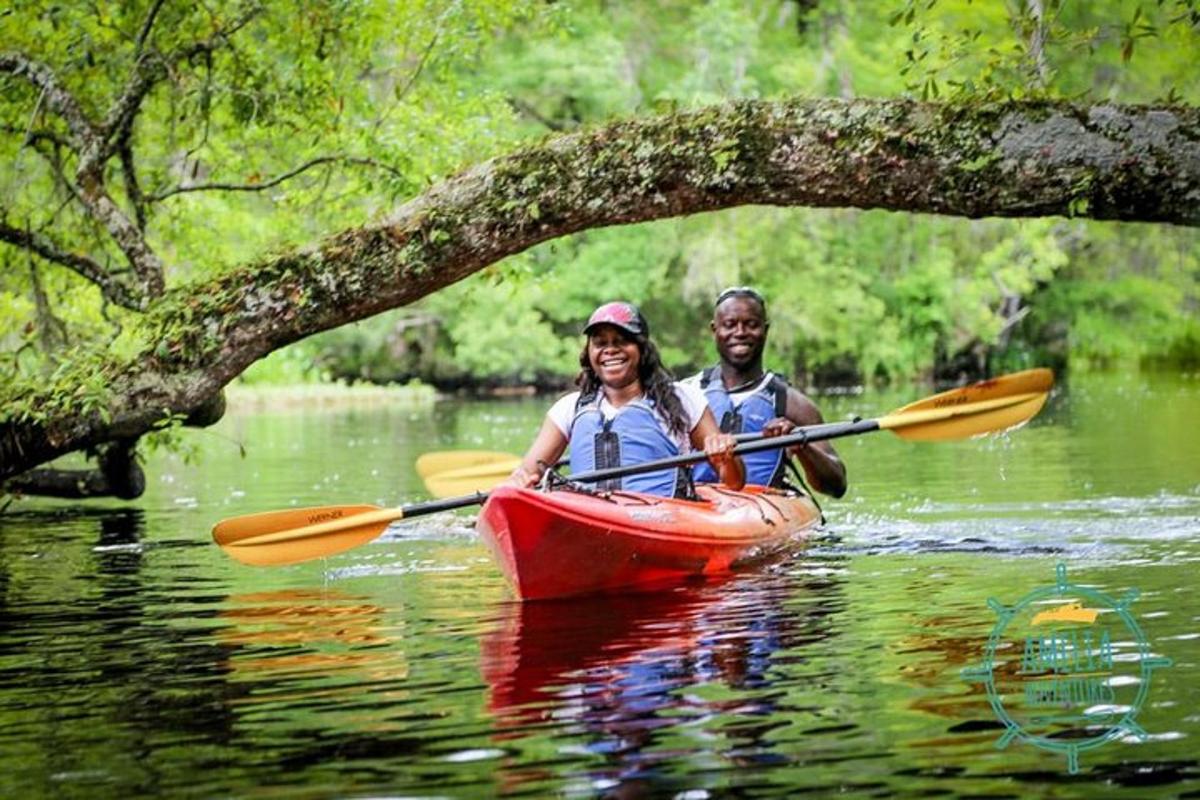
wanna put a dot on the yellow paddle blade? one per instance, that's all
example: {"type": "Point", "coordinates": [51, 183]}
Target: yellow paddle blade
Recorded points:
{"type": "Point", "coordinates": [481, 478]}
{"type": "Point", "coordinates": [985, 407]}
{"type": "Point", "coordinates": [1017, 383]}
{"type": "Point", "coordinates": [301, 534]}
{"type": "Point", "coordinates": [451, 460]}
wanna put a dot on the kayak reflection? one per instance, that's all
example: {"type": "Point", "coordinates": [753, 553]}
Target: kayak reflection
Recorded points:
{"type": "Point", "coordinates": [619, 665]}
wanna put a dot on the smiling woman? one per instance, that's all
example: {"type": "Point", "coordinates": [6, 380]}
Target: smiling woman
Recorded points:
{"type": "Point", "coordinates": [628, 410]}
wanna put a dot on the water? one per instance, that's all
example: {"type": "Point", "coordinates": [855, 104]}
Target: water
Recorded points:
{"type": "Point", "coordinates": [137, 659]}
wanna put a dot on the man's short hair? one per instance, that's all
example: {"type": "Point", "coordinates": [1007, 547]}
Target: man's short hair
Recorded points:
{"type": "Point", "coordinates": [742, 291]}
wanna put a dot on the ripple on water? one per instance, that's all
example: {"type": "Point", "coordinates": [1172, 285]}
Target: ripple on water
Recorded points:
{"type": "Point", "coordinates": [1121, 506]}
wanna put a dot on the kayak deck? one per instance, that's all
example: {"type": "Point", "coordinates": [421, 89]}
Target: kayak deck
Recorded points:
{"type": "Point", "coordinates": [563, 543]}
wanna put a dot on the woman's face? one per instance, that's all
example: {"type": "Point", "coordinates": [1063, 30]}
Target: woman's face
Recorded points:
{"type": "Point", "coordinates": [614, 356]}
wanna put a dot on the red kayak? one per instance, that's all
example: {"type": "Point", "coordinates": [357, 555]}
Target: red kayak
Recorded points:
{"type": "Point", "coordinates": [562, 543]}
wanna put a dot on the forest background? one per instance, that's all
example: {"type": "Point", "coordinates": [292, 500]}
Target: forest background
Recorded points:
{"type": "Point", "coordinates": [351, 107]}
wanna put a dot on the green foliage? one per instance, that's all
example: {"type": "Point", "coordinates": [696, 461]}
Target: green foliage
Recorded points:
{"type": "Point", "coordinates": [340, 86]}
{"type": "Point", "coordinates": [85, 380]}
{"type": "Point", "coordinates": [1125, 298]}
{"type": "Point", "coordinates": [166, 437]}
{"type": "Point", "coordinates": [853, 295]}
{"type": "Point", "coordinates": [290, 366]}
{"type": "Point", "coordinates": [1118, 50]}
{"type": "Point", "coordinates": [499, 333]}
{"type": "Point", "coordinates": [391, 97]}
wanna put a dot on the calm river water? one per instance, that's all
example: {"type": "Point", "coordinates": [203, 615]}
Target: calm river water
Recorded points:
{"type": "Point", "coordinates": [137, 659]}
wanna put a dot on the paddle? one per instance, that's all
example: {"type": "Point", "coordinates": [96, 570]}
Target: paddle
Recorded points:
{"type": "Point", "coordinates": [450, 473]}
{"type": "Point", "coordinates": [481, 476]}
{"type": "Point", "coordinates": [286, 537]}
{"type": "Point", "coordinates": [439, 462]}
{"type": "Point", "coordinates": [302, 534]}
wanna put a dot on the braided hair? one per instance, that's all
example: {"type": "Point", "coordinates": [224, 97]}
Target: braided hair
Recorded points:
{"type": "Point", "coordinates": [657, 383]}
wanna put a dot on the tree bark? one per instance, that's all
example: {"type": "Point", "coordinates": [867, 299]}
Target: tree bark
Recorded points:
{"type": "Point", "coordinates": [1011, 160]}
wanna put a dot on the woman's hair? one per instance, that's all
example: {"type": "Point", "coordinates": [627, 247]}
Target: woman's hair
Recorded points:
{"type": "Point", "coordinates": [657, 382]}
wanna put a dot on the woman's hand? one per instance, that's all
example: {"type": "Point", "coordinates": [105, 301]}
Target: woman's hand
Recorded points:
{"type": "Point", "coordinates": [523, 478]}
{"type": "Point", "coordinates": [719, 448]}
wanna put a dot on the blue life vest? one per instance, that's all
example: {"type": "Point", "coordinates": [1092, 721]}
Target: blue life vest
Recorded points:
{"type": "Point", "coordinates": [632, 436]}
{"type": "Point", "coordinates": [766, 467]}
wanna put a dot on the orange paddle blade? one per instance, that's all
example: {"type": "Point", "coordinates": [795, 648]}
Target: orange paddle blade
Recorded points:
{"type": "Point", "coordinates": [301, 534]}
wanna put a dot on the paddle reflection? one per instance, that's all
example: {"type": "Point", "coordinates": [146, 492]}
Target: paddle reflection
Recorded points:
{"type": "Point", "coordinates": [623, 669]}
{"type": "Point", "coordinates": [302, 630]}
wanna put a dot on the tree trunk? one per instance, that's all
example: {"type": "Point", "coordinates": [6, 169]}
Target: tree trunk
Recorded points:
{"type": "Point", "coordinates": [1012, 160]}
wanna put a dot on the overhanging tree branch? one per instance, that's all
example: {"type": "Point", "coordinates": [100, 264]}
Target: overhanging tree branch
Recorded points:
{"type": "Point", "coordinates": [1009, 160]}
{"type": "Point", "coordinates": [133, 189]}
{"type": "Point", "coordinates": [87, 141]}
{"type": "Point", "coordinates": [128, 237]}
{"type": "Point", "coordinates": [151, 68]}
{"type": "Point", "coordinates": [147, 26]}
{"type": "Point", "coordinates": [35, 137]}
{"type": "Point", "coordinates": [94, 145]}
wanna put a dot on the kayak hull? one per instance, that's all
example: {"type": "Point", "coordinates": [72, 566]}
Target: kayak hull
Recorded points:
{"type": "Point", "coordinates": [565, 543]}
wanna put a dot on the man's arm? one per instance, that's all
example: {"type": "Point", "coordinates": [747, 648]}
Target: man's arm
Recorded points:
{"type": "Point", "coordinates": [825, 471]}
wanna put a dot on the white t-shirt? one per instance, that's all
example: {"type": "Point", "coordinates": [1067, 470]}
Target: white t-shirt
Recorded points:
{"type": "Point", "coordinates": [562, 413]}
{"type": "Point", "coordinates": [735, 397]}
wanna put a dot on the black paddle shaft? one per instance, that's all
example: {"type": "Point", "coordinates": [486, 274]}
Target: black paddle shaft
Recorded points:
{"type": "Point", "coordinates": [449, 504]}
{"type": "Point", "coordinates": [806, 435]}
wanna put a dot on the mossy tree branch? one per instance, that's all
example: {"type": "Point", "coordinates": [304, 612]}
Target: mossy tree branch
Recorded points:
{"type": "Point", "coordinates": [1009, 160]}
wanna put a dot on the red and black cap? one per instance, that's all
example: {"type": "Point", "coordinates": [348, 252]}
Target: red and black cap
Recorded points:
{"type": "Point", "coordinates": [620, 315]}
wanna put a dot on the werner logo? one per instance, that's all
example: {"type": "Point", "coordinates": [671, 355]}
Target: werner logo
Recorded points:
{"type": "Point", "coordinates": [956, 400]}
{"type": "Point", "coordinates": [325, 516]}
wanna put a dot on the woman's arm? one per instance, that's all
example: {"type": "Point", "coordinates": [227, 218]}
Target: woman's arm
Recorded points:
{"type": "Point", "coordinates": [547, 448]}
{"type": "Point", "coordinates": [718, 447]}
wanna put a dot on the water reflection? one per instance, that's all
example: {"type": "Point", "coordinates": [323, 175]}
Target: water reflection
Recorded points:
{"type": "Point", "coordinates": [119, 546]}
{"type": "Point", "coordinates": [305, 631]}
{"type": "Point", "coordinates": [629, 674]}
{"type": "Point", "coordinates": [136, 660]}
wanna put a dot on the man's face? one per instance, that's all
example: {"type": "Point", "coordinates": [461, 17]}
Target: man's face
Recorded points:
{"type": "Point", "coordinates": [740, 330]}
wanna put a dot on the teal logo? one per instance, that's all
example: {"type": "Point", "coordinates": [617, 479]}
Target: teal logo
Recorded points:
{"type": "Point", "coordinates": [1067, 669]}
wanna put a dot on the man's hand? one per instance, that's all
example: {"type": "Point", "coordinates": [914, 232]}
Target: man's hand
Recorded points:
{"type": "Point", "coordinates": [780, 426]}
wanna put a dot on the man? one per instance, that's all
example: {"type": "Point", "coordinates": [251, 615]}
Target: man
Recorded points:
{"type": "Point", "coordinates": [745, 399]}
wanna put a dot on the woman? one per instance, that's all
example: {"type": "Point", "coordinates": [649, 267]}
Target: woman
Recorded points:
{"type": "Point", "coordinates": [628, 411]}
